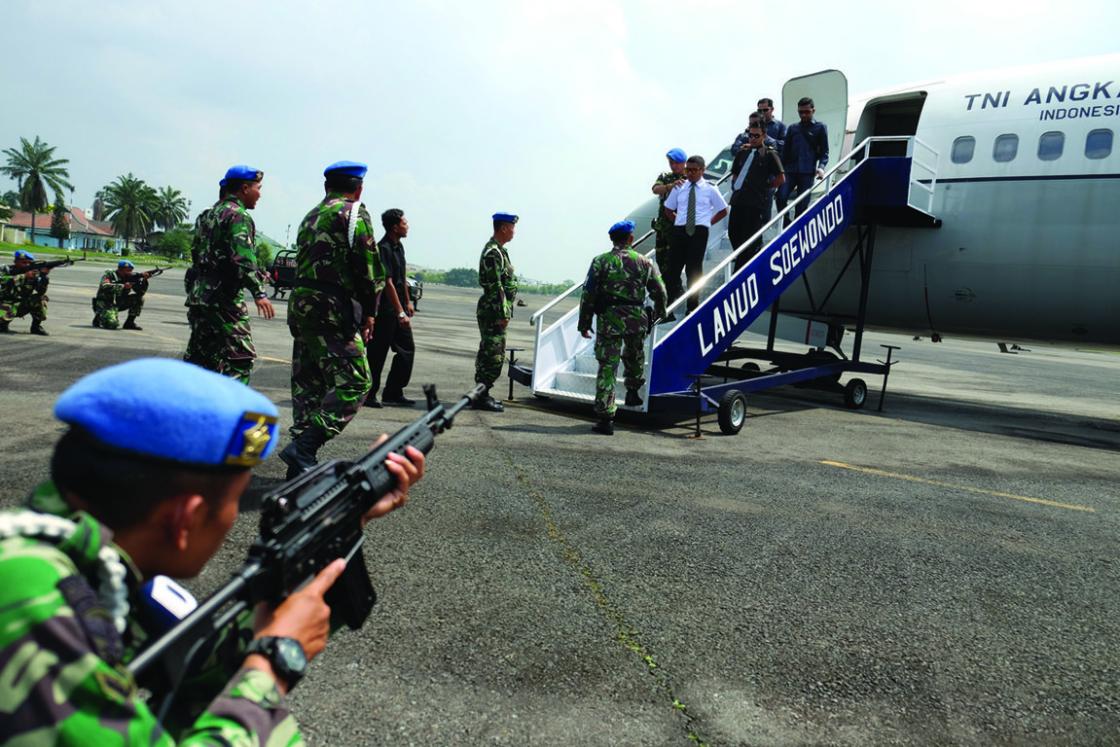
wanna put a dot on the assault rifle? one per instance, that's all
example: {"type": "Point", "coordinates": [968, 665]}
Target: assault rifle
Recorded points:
{"type": "Point", "coordinates": [42, 264]}
{"type": "Point", "coordinates": [140, 279]}
{"type": "Point", "coordinates": [305, 525]}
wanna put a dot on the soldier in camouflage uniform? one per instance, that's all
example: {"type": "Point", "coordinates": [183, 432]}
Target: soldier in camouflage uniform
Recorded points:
{"type": "Point", "coordinates": [225, 264]}
{"type": "Point", "coordinates": [120, 290]}
{"type": "Point", "coordinates": [129, 499]}
{"type": "Point", "coordinates": [331, 314]}
{"type": "Point", "coordinates": [495, 308]}
{"type": "Point", "coordinates": [662, 187]}
{"type": "Point", "coordinates": [22, 292]}
{"type": "Point", "coordinates": [614, 293]}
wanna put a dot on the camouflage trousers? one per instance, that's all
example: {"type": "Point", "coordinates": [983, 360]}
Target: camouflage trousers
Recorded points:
{"type": "Point", "coordinates": [22, 305]}
{"type": "Point", "coordinates": [221, 340]}
{"type": "Point", "coordinates": [491, 351]}
{"type": "Point", "coordinates": [609, 350]}
{"type": "Point", "coordinates": [109, 301]}
{"type": "Point", "coordinates": [330, 380]}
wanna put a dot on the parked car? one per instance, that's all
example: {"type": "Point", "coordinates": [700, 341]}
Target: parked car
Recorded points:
{"type": "Point", "coordinates": [282, 273]}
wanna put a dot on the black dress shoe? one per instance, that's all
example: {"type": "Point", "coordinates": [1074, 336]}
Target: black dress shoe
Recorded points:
{"type": "Point", "coordinates": [371, 401]}
{"type": "Point", "coordinates": [38, 330]}
{"type": "Point", "coordinates": [129, 324]}
{"type": "Point", "coordinates": [399, 400]}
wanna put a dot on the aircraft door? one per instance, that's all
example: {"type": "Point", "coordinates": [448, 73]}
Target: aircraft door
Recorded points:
{"type": "Point", "coordinates": [829, 91]}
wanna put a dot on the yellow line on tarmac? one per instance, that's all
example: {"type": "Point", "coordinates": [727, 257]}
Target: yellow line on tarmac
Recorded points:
{"type": "Point", "coordinates": [274, 360]}
{"type": "Point", "coordinates": [980, 491]}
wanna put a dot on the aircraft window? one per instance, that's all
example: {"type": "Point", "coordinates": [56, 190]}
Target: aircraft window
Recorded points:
{"type": "Point", "coordinates": [963, 148]}
{"type": "Point", "coordinates": [1098, 144]}
{"type": "Point", "coordinates": [1006, 147]}
{"type": "Point", "coordinates": [1050, 145]}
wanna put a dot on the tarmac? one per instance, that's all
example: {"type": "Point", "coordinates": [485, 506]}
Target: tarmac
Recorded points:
{"type": "Point", "coordinates": [942, 572]}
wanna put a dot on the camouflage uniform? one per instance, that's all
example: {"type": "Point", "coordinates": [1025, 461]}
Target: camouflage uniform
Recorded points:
{"type": "Point", "coordinates": [112, 297]}
{"type": "Point", "coordinates": [614, 292]}
{"type": "Point", "coordinates": [499, 289]}
{"type": "Point", "coordinates": [338, 276]}
{"type": "Point", "coordinates": [63, 663]}
{"type": "Point", "coordinates": [662, 225]}
{"type": "Point", "coordinates": [20, 296]}
{"type": "Point", "coordinates": [224, 264]}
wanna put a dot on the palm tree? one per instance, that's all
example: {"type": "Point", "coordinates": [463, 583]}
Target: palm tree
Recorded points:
{"type": "Point", "coordinates": [172, 208]}
{"type": "Point", "coordinates": [35, 168]}
{"type": "Point", "coordinates": [130, 205]}
{"type": "Point", "coordinates": [99, 205]}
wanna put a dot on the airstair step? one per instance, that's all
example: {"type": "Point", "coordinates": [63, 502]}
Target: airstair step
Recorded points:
{"type": "Point", "coordinates": [577, 383]}
{"type": "Point", "coordinates": [585, 364]}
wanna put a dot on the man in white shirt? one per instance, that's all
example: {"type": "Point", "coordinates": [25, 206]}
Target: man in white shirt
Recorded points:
{"type": "Point", "coordinates": [694, 207]}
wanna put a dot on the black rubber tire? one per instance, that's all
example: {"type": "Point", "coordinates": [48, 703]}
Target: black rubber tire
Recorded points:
{"type": "Point", "coordinates": [855, 394]}
{"type": "Point", "coordinates": [750, 366]}
{"type": "Point", "coordinates": [732, 412]}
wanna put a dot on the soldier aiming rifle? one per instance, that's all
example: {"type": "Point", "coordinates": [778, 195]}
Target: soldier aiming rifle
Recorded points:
{"type": "Point", "coordinates": [23, 289]}
{"type": "Point", "coordinates": [121, 289]}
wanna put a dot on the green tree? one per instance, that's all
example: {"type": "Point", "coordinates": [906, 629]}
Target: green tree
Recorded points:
{"type": "Point", "coordinates": [463, 277]}
{"type": "Point", "coordinates": [5, 211]}
{"type": "Point", "coordinates": [172, 208]}
{"type": "Point", "coordinates": [265, 250]}
{"type": "Point", "coordinates": [130, 205]}
{"type": "Point", "coordinates": [60, 222]}
{"type": "Point", "coordinates": [175, 243]}
{"type": "Point", "coordinates": [35, 169]}
{"type": "Point", "coordinates": [11, 199]}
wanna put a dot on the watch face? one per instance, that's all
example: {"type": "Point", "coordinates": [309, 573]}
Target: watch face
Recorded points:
{"type": "Point", "coordinates": [291, 653]}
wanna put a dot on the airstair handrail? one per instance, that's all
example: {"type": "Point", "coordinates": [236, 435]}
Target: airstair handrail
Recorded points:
{"type": "Point", "coordinates": [863, 148]}
{"type": "Point", "coordinates": [540, 312]}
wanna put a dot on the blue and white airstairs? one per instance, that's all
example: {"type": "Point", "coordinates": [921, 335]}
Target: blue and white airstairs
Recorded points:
{"type": "Point", "coordinates": [687, 362]}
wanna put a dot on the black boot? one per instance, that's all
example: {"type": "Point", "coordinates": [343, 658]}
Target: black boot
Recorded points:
{"type": "Point", "coordinates": [632, 398]}
{"type": "Point", "coordinates": [4, 328]}
{"type": "Point", "coordinates": [130, 323]}
{"type": "Point", "coordinates": [37, 329]}
{"type": "Point", "coordinates": [486, 402]}
{"type": "Point", "coordinates": [604, 426]}
{"type": "Point", "coordinates": [302, 453]}
{"type": "Point", "coordinates": [96, 321]}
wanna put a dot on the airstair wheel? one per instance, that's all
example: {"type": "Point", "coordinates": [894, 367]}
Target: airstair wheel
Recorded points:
{"type": "Point", "coordinates": [732, 412]}
{"type": "Point", "coordinates": [855, 394]}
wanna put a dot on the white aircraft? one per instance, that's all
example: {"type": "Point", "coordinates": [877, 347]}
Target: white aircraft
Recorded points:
{"type": "Point", "coordinates": [1027, 190]}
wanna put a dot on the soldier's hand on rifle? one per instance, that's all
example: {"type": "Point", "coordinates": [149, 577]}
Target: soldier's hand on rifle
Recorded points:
{"type": "Point", "coordinates": [408, 470]}
{"type": "Point", "coordinates": [30, 274]}
{"type": "Point", "coordinates": [503, 323]}
{"type": "Point", "coordinates": [264, 308]}
{"type": "Point", "coordinates": [303, 616]}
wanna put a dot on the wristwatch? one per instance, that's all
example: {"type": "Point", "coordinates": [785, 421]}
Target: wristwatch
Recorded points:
{"type": "Point", "coordinates": [284, 654]}
{"type": "Point", "coordinates": [402, 314]}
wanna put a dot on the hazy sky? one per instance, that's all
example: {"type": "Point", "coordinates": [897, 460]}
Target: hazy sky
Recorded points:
{"type": "Point", "coordinates": [560, 112]}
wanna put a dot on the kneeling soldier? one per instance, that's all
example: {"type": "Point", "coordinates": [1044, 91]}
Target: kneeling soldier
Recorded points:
{"type": "Point", "coordinates": [120, 290]}
{"type": "Point", "coordinates": [146, 481]}
{"type": "Point", "coordinates": [614, 293]}
{"type": "Point", "coordinates": [23, 291]}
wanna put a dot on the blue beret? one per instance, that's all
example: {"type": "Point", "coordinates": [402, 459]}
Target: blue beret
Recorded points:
{"type": "Point", "coordinates": [124, 263]}
{"type": "Point", "coordinates": [505, 218]}
{"type": "Point", "coordinates": [623, 226]}
{"type": "Point", "coordinates": [20, 254]}
{"type": "Point", "coordinates": [168, 409]}
{"type": "Point", "coordinates": [241, 172]}
{"type": "Point", "coordinates": [676, 155]}
{"type": "Point", "coordinates": [349, 168]}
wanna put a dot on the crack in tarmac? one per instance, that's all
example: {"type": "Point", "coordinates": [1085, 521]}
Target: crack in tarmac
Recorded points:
{"type": "Point", "coordinates": [626, 634]}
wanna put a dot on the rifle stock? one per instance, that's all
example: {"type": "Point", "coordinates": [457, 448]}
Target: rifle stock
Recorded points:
{"type": "Point", "coordinates": [305, 525]}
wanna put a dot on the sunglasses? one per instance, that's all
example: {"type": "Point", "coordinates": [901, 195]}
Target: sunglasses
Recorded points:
{"type": "Point", "coordinates": [752, 136]}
